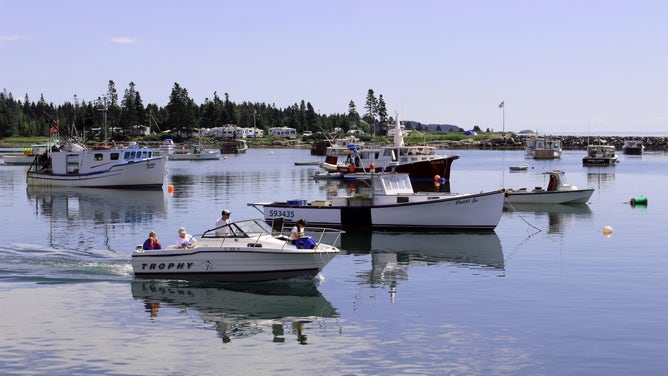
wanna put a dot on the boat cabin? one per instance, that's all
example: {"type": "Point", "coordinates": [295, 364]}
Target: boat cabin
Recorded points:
{"type": "Point", "coordinates": [72, 159]}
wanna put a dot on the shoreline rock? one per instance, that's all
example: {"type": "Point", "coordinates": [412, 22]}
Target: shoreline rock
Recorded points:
{"type": "Point", "coordinates": [652, 143]}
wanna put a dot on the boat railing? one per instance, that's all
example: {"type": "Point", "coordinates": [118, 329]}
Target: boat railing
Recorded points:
{"type": "Point", "coordinates": [326, 235]}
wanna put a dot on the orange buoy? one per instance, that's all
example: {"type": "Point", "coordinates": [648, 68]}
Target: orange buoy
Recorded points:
{"type": "Point", "coordinates": [351, 168]}
{"type": "Point", "coordinates": [372, 167]}
{"type": "Point", "coordinates": [607, 231]}
{"type": "Point", "coordinates": [170, 188]}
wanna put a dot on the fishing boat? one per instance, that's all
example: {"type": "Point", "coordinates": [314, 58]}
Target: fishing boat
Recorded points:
{"type": "Point", "coordinates": [246, 251]}
{"type": "Point", "coordinates": [194, 153]}
{"type": "Point", "coordinates": [236, 146]}
{"type": "Point", "coordinates": [558, 191]}
{"type": "Point", "coordinates": [543, 147]}
{"type": "Point", "coordinates": [600, 155]}
{"type": "Point", "coordinates": [74, 165]}
{"type": "Point", "coordinates": [633, 147]}
{"type": "Point", "coordinates": [419, 161]}
{"type": "Point", "coordinates": [392, 204]}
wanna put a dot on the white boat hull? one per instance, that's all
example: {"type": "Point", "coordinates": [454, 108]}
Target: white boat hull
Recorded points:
{"type": "Point", "coordinates": [230, 264]}
{"type": "Point", "coordinates": [456, 212]}
{"type": "Point", "coordinates": [579, 196]}
{"type": "Point", "coordinates": [144, 174]}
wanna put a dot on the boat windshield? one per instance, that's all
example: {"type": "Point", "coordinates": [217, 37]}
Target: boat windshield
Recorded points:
{"type": "Point", "coordinates": [243, 229]}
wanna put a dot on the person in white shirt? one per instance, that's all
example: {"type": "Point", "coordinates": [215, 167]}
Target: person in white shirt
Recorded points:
{"type": "Point", "coordinates": [222, 221]}
{"type": "Point", "coordinates": [185, 240]}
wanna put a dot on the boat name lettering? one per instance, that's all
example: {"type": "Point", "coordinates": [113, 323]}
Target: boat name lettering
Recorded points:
{"type": "Point", "coordinates": [281, 213]}
{"type": "Point", "coordinates": [466, 201]}
{"type": "Point", "coordinates": [167, 265]}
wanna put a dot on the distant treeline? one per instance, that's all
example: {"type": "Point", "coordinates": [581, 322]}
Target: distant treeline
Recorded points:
{"type": "Point", "coordinates": [181, 115]}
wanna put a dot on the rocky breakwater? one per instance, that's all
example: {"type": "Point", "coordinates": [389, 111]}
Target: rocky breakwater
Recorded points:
{"type": "Point", "coordinates": [652, 143]}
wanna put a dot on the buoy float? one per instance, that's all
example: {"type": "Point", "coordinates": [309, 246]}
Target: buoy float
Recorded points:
{"type": "Point", "coordinates": [225, 158]}
{"type": "Point", "coordinates": [372, 167]}
{"type": "Point", "coordinates": [351, 168]}
{"type": "Point", "coordinates": [640, 200]}
{"type": "Point", "coordinates": [170, 188]}
{"type": "Point", "coordinates": [607, 231]}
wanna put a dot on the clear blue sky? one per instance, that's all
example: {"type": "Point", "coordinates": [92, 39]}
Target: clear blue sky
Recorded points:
{"type": "Point", "coordinates": [559, 66]}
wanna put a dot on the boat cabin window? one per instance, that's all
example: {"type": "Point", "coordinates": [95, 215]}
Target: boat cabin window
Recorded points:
{"type": "Point", "coordinates": [114, 156]}
{"type": "Point", "coordinates": [98, 156]}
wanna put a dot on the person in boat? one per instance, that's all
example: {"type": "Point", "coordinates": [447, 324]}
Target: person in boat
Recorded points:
{"type": "Point", "coordinates": [222, 223]}
{"type": "Point", "coordinates": [152, 242]}
{"type": "Point", "coordinates": [185, 240]}
{"type": "Point", "coordinates": [298, 237]}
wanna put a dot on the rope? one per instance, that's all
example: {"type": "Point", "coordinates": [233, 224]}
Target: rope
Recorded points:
{"type": "Point", "coordinates": [521, 217]}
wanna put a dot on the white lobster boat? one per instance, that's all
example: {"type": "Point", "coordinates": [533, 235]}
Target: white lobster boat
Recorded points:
{"type": "Point", "coordinates": [392, 204]}
{"type": "Point", "coordinates": [249, 251]}
{"type": "Point", "coordinates": [74, 165]}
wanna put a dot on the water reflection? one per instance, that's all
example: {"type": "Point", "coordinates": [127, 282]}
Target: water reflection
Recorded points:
{"type": "Point", "coordinates": [600, 180]}
{"type": "Point", "coordinates": [558, 216]}
{"type": "Point", "coordinates": [394, 253]}
{"type": "Point", "coordinates": [242, 310]}
{"type": "Point", "coordinates": [85, 218]}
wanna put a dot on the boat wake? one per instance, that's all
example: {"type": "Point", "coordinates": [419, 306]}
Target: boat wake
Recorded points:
{"type": "Point", "coordinates": [34, 263]}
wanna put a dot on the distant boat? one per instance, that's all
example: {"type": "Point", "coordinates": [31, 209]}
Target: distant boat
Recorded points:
{"type": "Point", "coordinates": [419, 161]}
{"type": "Point", "coordinates": [517, 168]}
{"type": "Point", "coordinates": [194, 153]}
{"type": "Point", "coordinates": [543, 147]}
{"type": "Point", "coordinates": [236, 146]}
{"type": "Point", "coordinates": [600, 155]}
{"type": "Point", "coordinates": [633, 147]}
{"type": "Point", "coordinates": [558, 191]}
{"type": "Point", "coordinates": [167, 147]}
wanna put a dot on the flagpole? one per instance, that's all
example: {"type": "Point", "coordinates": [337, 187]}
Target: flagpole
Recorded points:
{"type": "Point", "coordinates": [502, 106]}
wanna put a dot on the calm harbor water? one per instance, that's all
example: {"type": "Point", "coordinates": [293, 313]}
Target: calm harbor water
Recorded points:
{"type": "Point", "coordinates": [545, 294]}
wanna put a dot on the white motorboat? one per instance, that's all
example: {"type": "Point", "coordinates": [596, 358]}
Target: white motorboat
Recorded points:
{"type": "Point", "coordinates": [600, 155]}
{"type": "Point", "coordinates": [543, 147]}
{"type": "Point", "coordinates": [251, 251]}
{"type": "Point", "coordinates": [558, 191]}
{"type": "Point", "coordinates": [420, 162]}
{"type": "Point", "coordinates": [392, 204]}
{"type": "Point", "coordinates": [74, 165]}
{"type": "Point", "coordinates": [194, 153]}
